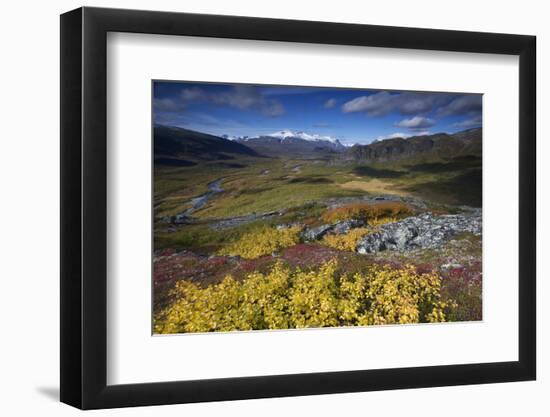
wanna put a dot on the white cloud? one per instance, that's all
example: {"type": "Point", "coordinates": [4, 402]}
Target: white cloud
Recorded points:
{"type": "Point", "coordinates": [468, 123]}
{"type": "Point", "coordinates": [403, 135]}
{"type": "Point", "coordinates": [191, 94]}
{"type": "Point", "coordinates": [393, 136]}
{"type": "Point", "coordinates": [416, 122]}
{"type": "Point", "coordinates": [375, 105]}
{"type": "Point", "coordinates": [168, 105]}
{"type": "Point", "coordinates": [330, 103]}
{"type": "Point", "coordinates": [383, 102]}
{"type": "Point", "coordinates": [243, 97]}
{"type": "Point", "coordinates": [466, 104]}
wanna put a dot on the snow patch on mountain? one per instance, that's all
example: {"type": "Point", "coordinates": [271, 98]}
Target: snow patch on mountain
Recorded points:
{"type": "Point", "coordinates": [285, 134]}
{"type": "Point", "coordinates": [288, 134]}
{"type": "Point", "coordinates": [234, 137]}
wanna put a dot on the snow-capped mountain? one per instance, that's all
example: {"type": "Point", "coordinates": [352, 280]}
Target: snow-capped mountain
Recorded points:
{"type": "Point", "coordinates": [234, 137]}
{"type": "Point", "coordinates": [290, 142]}
{"type": "Point", "coordinates": [285, 134]}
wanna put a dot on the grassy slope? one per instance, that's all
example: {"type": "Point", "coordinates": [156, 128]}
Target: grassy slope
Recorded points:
{"type": "Point", "coordinates": [261, 185]}
{"type": "Point", "coordinates": [264, 185]}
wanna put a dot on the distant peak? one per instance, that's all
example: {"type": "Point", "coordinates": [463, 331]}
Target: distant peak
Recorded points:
{"type": "Point", "coordinates": [287, 133]}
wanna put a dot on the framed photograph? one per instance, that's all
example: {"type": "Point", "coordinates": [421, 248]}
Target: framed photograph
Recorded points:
{"type": "Point", "coordinates": [257, 208]}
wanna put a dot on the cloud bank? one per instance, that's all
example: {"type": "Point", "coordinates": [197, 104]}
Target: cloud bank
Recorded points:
{"type": "Point", "coordinates": [242, 97]}
{"type": "Point", "coordinates": [384, 102]}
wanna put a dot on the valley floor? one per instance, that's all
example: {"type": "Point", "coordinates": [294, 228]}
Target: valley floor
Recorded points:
{"type": "Point", "coordinates": [264, 243]}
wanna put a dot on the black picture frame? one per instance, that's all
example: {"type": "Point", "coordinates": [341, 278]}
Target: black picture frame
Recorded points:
{"type": "Point", "coordinates": [84, 207]}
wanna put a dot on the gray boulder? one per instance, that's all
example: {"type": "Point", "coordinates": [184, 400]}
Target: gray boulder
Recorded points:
{"type": "Point", "coordinates": [423, 231]}
{"type": "Point", "coordinates": [339, 228]}
{"type": "Point", "coordinates": [315, 233]}
{"type": "Point", "coordinates": [344, 227]}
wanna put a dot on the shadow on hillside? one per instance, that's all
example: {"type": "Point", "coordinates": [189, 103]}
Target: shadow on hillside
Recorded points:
{"type": "Point", "coordinates": [311, 180]}
{"type": "Point", "coordinates": [463, 189]}
{"type": "Point", "coordinates": [367, 171]}
{"type": "Point", "coordinates": [233, 165]}
{"type": "Point", "coordinates": [456, 164]}
{"type": "Point", "coordinates": [173, 162]}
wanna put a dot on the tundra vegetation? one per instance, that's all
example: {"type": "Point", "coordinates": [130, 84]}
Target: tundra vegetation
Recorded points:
{"type": "Point", "coordinates": [245, 241]}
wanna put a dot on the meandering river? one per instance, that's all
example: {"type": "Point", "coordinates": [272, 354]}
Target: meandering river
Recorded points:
{"type": "Point", "coordinates": [199, 202]}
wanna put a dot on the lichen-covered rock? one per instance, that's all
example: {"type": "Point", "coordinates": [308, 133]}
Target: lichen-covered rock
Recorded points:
{"type": "Point", "coordinates": [339, 228]}
{"type": "Point", "coordinates": [423, 231]}
{"type": "Point", "coordinates": [344, 227]}
{"type": "Point", "coordinates": [315, 233]}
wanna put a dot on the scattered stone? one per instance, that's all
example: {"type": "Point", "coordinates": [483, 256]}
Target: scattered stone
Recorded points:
{"type": "Point", "coordinates": [238, 221]}
{"type": "Point", "coordinates": [367, 198]}
{"type": "Point", "coordinates": [451, 266]}
{"type": "Point", "coordinates": [178, 219]}
{"type": "Point", "coordinates": [287, 225]}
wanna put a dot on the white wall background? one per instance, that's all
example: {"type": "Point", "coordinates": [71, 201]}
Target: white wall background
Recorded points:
{"type": "Point", "coordinates": [29, 237]}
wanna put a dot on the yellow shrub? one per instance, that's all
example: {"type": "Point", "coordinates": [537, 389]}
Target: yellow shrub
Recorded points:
{"type": "Point", "coordinates": [313, 298]}
{"type": "Point", "coordinates": [366, 211]}
{"type": "Point", "coordinates": [345, 242]}
{"type": "Point", "coordinates": [263, 241]}
{"type": "Point", "coordinates": [265, 302]}
{"type": "Point", "coordinates": [373, 223]}
{"type": "Point", "coordinates": [292, 298]}
{"type": "Point", "coordinates": [260, 302]}
{"type": "Point", "coordinates": [392, 296]}
{"type": "Point", "coordinates": [215, 308]}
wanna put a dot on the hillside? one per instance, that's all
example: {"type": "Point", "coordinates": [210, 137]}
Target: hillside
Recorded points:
{"type": "Point", "coordinates": [440, 146]}
{"type": "Point", "coordinates": [175, 146]}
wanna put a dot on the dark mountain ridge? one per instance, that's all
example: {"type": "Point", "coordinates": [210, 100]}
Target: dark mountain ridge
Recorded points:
{"type": "Point", "coordinates": [174, 146]}
{"type": "Point", "coordinates": [428, 147]}
{"type": "Point", "coordinates": [291, 146]}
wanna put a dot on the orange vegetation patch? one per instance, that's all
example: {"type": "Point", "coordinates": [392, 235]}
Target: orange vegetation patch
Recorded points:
{"type": "Point", "coordinates": [367, 211]}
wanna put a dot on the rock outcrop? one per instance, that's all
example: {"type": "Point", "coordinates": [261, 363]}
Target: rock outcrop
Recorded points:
{"type": "Point", "coordinates": [339, 228]}
{"type": "Point", "coordinates": [423, 231]}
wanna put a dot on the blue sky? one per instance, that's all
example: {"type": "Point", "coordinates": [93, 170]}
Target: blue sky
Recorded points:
{"type": "Point", "coordinates": [351, 115]}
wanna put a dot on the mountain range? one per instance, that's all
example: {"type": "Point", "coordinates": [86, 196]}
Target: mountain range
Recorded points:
{"type": "Point", "coordinates": [437, 146]}
{"type": "Point", "coordinates": [181, 147]}
{"type": "Point", "coordinates": [286, 142]}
